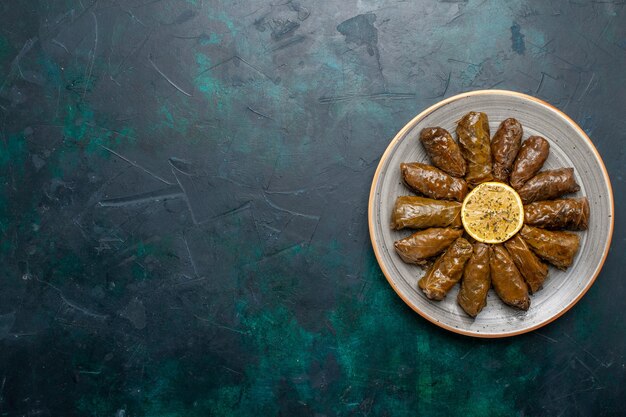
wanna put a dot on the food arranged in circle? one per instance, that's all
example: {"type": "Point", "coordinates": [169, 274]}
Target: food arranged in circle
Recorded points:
{"type": "Point", "coordinates": [486, 215]}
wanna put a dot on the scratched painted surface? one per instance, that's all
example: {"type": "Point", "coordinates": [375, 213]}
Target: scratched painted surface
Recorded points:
{"type": "Point", "coordinates": [183, 204]}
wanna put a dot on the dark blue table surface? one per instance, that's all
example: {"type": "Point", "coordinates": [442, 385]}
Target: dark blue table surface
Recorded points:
{"type": "Point", "coordinates": [183, 197]}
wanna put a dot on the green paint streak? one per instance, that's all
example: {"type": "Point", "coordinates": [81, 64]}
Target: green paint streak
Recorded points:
{"type": "Point", "coordinates": [13, 153]}
{"type": "Point", "coordinates": [225, 402]}
{"type": "Point", "coordinates": [53, 74]}
{"type": "Point", "coordinates": [169, 371]}
{"type": "Point", "coordinates": [212, 39]}
{"type": "Point", "coordinates": [81, 129]}
{"type": "Point", "coordinates": [173, 118]}
{"type": "Point", "coordinates": [584, 318]}
{"type": "Point", "coordinates": [68, 265]}
{"type": "Point", "coordinates": [84, 136]}
{"type": "Point", "coordinates": [141, 249]}
{"type": "Point", "coordinates": [223, 98]}
{"type": "Point", "coordinates": [285, 353]}
{"type": "Point", "coordinates": [5, 244]}
{"type": "Point", "coordinates": [225, 19]}
{"type": "Point", "coordinates": [424, 388]}
{"type": "Point", "coordinates": [13, 158]}
{"type": "Point", "coordinates": [380, 344]}
{"type": "Point", "coordinates": [206, 83]}
{"type": "Point", "coordinates": [76, 122]}
{"type": "Point", "coordinates": [148, 252]}
{"type": "Point", "coordinates": [6, 51]}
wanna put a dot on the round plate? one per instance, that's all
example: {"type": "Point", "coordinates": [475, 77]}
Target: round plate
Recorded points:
{"type": "Point", "coordinates": [569, 147]}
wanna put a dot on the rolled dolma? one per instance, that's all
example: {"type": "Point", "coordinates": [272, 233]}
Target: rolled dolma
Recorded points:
{"type": "Point", "coordinates": [419, 213]}
{"type": "Point", "coordinates": [548, 185]}
{"type": "Point", "coordinates": [530, 159]}
{"type": "Point", "coordinates": [432, 182]}
{"type": "Point", "coordinates": [446, 271]}
{"type": "Point", "coordinates": [570, 213]}
{"type": "Point", "coordinates": [504, 148]}
{"type": "Point", "coordinates": [473, 133]}
{"type": "Point", "coordinates": [532, 269]}
{"type": "Point", "coordinates": [417, 248]}
{"type": "Point", "coordinates": [443, 151]}
{"type": "Point", "coordinates": [476, 281]}
{"type": "Point", "coordinates": [506, 279]}
{"type": "Point", "coordinates": [558, 248]}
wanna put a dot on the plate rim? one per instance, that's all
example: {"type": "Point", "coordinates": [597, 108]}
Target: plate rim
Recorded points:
{"type": "Point", "coordinates": [402, 133]}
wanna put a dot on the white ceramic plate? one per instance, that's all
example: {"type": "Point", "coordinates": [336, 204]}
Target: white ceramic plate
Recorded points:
{"type": "Point", "coordinates": [569, 147]}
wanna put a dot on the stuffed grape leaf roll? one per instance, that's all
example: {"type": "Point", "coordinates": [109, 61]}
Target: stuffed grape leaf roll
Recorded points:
{"type": "Point", "coordinates": [569, 213]}
{"type": "Point", "coordinates": [417, 248]}
{"type": "Point", "coordinates": [443, 151]}
{"type": "Point", "coordinates": [446, 271]}
{"type": "Point", "coordinates": [532, 269]}
{"type": "Point", "coordinates": [476, 281]}
{"type": "Point", "coordinates": [556, 247]}
{"type": "Point", "coordinates": [507, 280]}
{"type": "Point", "coordinates": [433, 182]}
{"type": "Point", "coordinates": [504, 148]}
{"type": "Point", "coordinates": [548, 185]}
{"type": "Point", "coordinates": [473, 133]}
{"type": "Point", "coordinates": [530, 158]}
{"type": "Point", "coordinates": [420, 213]}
